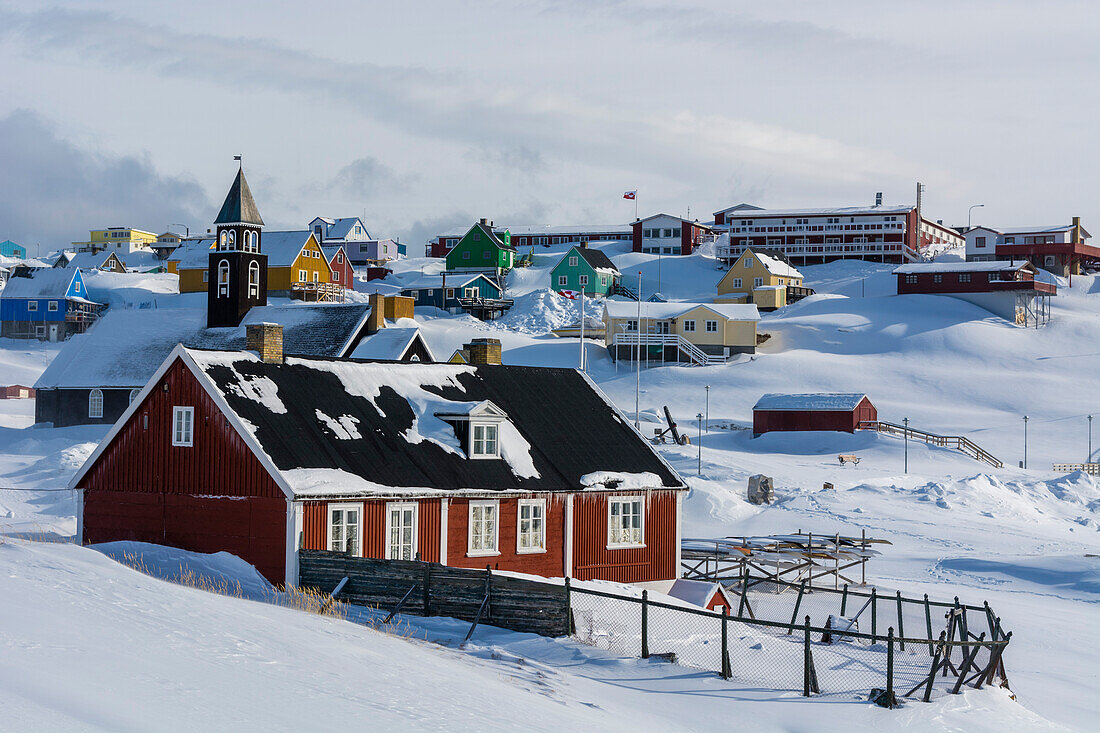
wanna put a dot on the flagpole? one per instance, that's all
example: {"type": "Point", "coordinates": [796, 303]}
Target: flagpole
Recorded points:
{"type": "Point", "coordinates": [582, 328]}
{"type": "Point", "coordinates": [638, 356]}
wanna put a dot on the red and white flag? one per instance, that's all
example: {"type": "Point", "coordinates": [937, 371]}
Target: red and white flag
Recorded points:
{"type": "Point", "coordinates": [571, 294]}
{"type": "Point", "coordinates": [630, 195]}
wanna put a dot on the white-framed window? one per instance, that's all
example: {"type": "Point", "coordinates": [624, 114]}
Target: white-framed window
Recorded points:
{"type": "Point", "coordinates": [689, 326]}
{"type": "Point", "coordinates": [401, 529]}
{"type": "Point", "coordinates": [573, 261]}
{"type": "Point", "coordinates": [221, 244]}
{"type": "Point", "coordinates": [483, 528]}
{"type": "Point", "coordinates": [345, 528]}
{"type": "Point", "coordinates": [302, 276]}
{"type": "Point", "coordinates": [340, 256]}
{"type": "Point", "coordinates": [316, 276]}
{"type": "Point", "coordinates": [450, 293]}
{"type": "Point", "coordinates": [95, 403]}
{"type": "Point", "coordinates": [76, 287]}
{"type": "Point", "coordinates": [563, 280]}
{"type": "Point", "coordinates": [979, 241]}
{"type": "Point", "coordinates": [232, 239]}
{"type": "Point", "coordinates": [32, 305]}
{"type": "Point", "coordinates": [182, 426]}
{"type": "Point", "coordinates": [133, 395]}
{"type": "Point", "coordinates": [937, 278]}
{"type": "Point", "coordinates": [712, 326]}
{"type": "Point", "coordinates": [335, 276]}
{"type": "Point", "coordinates": [531, 530]}
{"type": "Point", "coordinates": [484, 440]}
{"type": "Point", "coordinates": [254, 280]}
{"type": "Point", "coordinates": [757, 282]}
{"type": "Point", "coordinates": [910, 279]}
{"type": "Point", "coordinates": [583, 280]}
{"type": "Point", "coordinates": [624, 522]}
{"type": "Point", "coordinates": [52, 306]}
{"type": "Point", "coordinates": [471, 292]}
{"type": "Point", "coordinates": [223, 278]}
{"type": "Point", "coordinates": [964, 277]}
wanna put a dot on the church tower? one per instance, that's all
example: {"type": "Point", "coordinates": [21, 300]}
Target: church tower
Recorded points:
{"type": "Point", "coordinates": [238, 268]}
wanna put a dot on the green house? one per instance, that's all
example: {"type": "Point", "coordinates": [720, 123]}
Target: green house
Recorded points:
{"type": "Point", "coordinates": [483, 250]}
{"type": "Point", "coordinates": [585, 269]}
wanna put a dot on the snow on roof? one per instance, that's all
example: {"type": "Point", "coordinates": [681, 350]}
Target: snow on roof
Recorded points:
{"type": "Point", "coordinates": [566, 230]}
{"type": "Point", "coordinates": [815, 401]}
{"type": "Point", "coordinates": [666, 311]}
{"type": "Point", "coordinates": [141, 259]}
{"type": "Point", "coordinates": [827, 211]}
{"type": "Point", "coordinates": [193, 254]}
{"type": "Point", "coordinates": [1034, 230]}
{"type": "Point", "coordinates": [775, 266]}
{"type": "Point", "coordinates": [124, 347]}
{"type": "Point", "coordinates": [390, 343]}
{"type": "Point", "coordinates": [342, 227]}
{"type": "Point", "coordinates": [338, 428]}
{"type": "Point", "coordinates": [987, 266]}
{"type": "Point", "coordinates": [695, 592]}
{"type": "Point", "coordinates": [454, 280]}
{"type": "Point", "coordinates": [48, 282]}
{"type": "Point", "coordinates": [86, 260]}
{"type": "Point", "coordinates": [282, 248]}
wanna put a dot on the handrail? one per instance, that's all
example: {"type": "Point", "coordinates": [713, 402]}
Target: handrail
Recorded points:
{"type": "Point", "coordinates": [696, 354]}
{"type": "Point", "coordinates": [958, 442]}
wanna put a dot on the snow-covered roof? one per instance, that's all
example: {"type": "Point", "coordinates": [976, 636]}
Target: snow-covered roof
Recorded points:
{"type": "Point", "coordinates": [676, 218]}
{"type": "Point", "coordinates": [1053, 229]}
{"type": "Point", "coordinates": [775, 266]}
{"type": "Point", "coordinates": [48, 282]}
{"type": "Point", "coordinates": [746, 213]}
{"type": "Point", "coordinates": [695, 592]}
{"type": "Point", "coordinates": [826, 401]}
{"type": "Point", "coordinates": [667, 311]}
{"type": "Point", "coordinates": [141, 259]}
{"type": "Point", "coordinates": [988, 266]}
{"type": "Point", "coordinates": [192, 254]}
{"type": "Point", "coordinates": [566, 230]}
{"type": "Point", "coordinates": [391, 342]}
{"type": "Point", "coordinates": [125, 347]}
{"type": "Point", "coordinates": [333, 427]}
{"type": "Point", "coordinates": [330, 250]}
{"type": "Point", "coordinates": [86, 260]}
{"type": "Point", "coordinates": [282, 248]}
{"type": "Point", "coordinates": [454, 280]}
{"type": "Point", "coordinates": [342, 227]}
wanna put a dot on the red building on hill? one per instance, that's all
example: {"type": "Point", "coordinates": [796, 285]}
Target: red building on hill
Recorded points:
{"type": "Point", "coordinates": [1008, 289]}
{"type": "Point", "coordinates": [259, 455]}
{"type": "Point", "coordinates": [811, 412]}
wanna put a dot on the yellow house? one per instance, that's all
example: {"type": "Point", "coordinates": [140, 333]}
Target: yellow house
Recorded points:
{"type": "Point", "coordinates": [295, 264]}
{"type": "Point", "coordinates": [125, 239]}
{"type": "Point", "coordinates": [698, 333]}
{"type": "Point", "coordinates": [759, 278]}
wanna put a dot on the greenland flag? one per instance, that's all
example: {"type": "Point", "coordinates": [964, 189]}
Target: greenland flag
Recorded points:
{"type": "Point", "coordinates": [630, 195]}
{"type": "Point", "coordinates": [571, 294]}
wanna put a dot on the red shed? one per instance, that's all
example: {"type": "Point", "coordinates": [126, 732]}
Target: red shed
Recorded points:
{"type": "Point", "coordinates": [259, 455]}
{"type": "Point", "coordinates": [15, 392]}
{"type": "Point", "coordinates": [824, 411]}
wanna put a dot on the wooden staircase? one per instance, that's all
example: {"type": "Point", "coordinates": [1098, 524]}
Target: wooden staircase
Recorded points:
{"type": "Point", "coordinates": [959, 443]}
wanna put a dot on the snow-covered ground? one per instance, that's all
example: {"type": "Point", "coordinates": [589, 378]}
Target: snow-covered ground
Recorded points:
{"type": "Point", "coordinates": [1017, 538]}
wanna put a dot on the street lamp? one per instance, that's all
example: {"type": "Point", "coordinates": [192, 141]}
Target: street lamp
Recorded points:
{"type": "Point", "coordinates": [186, 228]}
{"type": "Point", "coordinates": [906, 422]}
{"type": "Point", "coordinates": [969, 212]}
{"type": "Point", "coordinates": [1025, 440]}
{"type": "Point", "coordinates": [699, 467]}
{"type": "Point", "coordinates": [708, 415]}
{"type": "Point", "coordinates": [1089, 460]}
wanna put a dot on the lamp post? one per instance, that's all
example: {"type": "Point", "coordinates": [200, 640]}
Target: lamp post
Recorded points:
{"type": "Point", "coordinates": [708, 416]}
{"type": "Point", "coordinates": [906, 422]}
{"type": "Point", "coordinates": [1089, 460]}
{"type": "Point", "coordinates": [186, 228]}
{"type": "Point", "coordinates": [1025, 440]}
{"type": "Point", "coordinates": [699, 466]}
{"type": "Point", "coordinates": [969, 212]}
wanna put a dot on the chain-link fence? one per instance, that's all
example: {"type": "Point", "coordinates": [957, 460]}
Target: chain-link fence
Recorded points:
{"type": "Point", "coordinates": [771, 641]}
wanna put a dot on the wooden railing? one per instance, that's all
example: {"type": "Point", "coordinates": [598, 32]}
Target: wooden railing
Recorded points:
{"type": "Point", "coordinates": [693, 352]}
{"type": "Point", "coordinates": [956, 442]}
{"type": "Point", "coordinates": [1092, 469]}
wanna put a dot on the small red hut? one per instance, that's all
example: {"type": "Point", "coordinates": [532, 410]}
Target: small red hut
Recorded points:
{"type": "Point", "coordinates": [826, 411]}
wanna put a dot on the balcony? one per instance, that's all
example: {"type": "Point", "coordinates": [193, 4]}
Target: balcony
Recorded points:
{"type": "Point", "coordinates": [319, 292]}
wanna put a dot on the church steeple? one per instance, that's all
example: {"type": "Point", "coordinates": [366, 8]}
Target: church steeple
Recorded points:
{"type": "Point", "coordinates": [237, 270]}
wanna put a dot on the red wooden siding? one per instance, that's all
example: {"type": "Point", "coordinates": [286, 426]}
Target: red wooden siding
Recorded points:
{"type": "Point", "coordinates": [209, 497]}
{"type": "Point", "coordinates": [427, 540]}
{"type": "Point", "coordinates": [548, 564]}
{"type": "Point", "coordinates": [766, 421]}
{"type": "Point", "coordinates": [593, 561]}
{"type": "Point", "coordinates": [315, 521]}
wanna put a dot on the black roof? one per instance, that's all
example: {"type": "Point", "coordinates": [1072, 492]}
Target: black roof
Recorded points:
{"type": "Point", "coordinates": [596, 258]}
{"type": "Point", "coordinates": [239, 205]}
{"type": "Point", "coordinates": [571, 427]}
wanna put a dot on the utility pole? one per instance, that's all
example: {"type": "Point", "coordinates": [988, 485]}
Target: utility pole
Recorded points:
{"type": "Point", "coordinates": [906, 422]}
{"type": "Point", "coordinates": [699, 467]}
{"type": "Point", "coordinates": [1090, 440]}
{"type": "Point", "coordinates": [638, 359]}
{"type": "Point", "coordinates": [582, 327]}
{"type": "Point", "coordinates": [1025, 441]}
{"type": "Point", "coordinates": [708, 417]}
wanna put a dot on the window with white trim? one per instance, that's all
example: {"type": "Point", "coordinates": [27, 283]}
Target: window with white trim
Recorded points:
{"type": "Point", "coordinates": [573, 261]}
{"type": "Point", "coordinates": [483, 440]}
{"type": "Point", "coordinates": [345, 528]}
{"type": "Point", "coordinates": [689, 326]}
{"type": "Point", "coordinates": [531, 532]}
{"type": "Point", "coordinates": [757, 282]}
{"type": "Point", "coordinates": [624, 522]}
{"type": "Point", "coordinates": [182, 426]}
{"type": "Point", "coordinates": [401, 530]}
{"type": "Point", "coordinates": [483, 528]}
{"type": "Point", "coordinates": [583, 279]}
{"type": "Point", "coordinates": [223, 278]}
{"type": "Point", "coordinates": [736, 282]}
{"type": "Point", "coordinates": [133, 395]}
{"type": "Point", "coordinates": [563, 280]}
{"type": "Point", "coordinates": [95, 403]}
{"type": "Point", "coordinates": [302, 276]}
{"type": "Point", "coordinates": [253, 280]}
{"type": "Point", "coordinates": [52, 306]}
{"type": "Point", "coordinates": [712, 326]}
{"type": "Point", "coordinates": [32, 305]}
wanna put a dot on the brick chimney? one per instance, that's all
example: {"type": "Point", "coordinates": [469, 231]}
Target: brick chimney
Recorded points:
{"type": "Point", "coordinates": [1078, 238]}
{"type": "Point", "coordinates": [484, 351]}
{"type": "Point", "coordinates": [376, 321]}
{"type": "Point", "coordinates": [266, 339]}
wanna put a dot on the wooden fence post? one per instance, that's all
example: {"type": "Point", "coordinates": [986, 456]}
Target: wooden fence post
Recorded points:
{"type": "Point", "coordinates": [645, 624]}
{"type": "Point", "coordinates": [844, 601]}
{"type": "Point", "coordinates": [874, 615]}
{"type": "Point", "coordinates": [744, 594]}
{"type": "Point", "coordinates": [928, 622]}
{"type": "Point", "coordinates": [797, 603]}
{"type": "Point", "coordinates": [726, 671]}
{"type": "Point", "coordinates": [901, 625]}
{"type": "Point", "coordinates": [890, 702]}
{"type": "Point", "coordinates": [568, 609]}
{"type": "Point", "coordinates": [935, 667]}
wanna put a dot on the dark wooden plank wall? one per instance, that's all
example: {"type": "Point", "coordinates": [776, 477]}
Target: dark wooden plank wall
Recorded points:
{"type": "Point", "coordinates": [515, 603]}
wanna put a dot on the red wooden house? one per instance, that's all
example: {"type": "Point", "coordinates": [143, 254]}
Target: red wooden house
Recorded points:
{"type": "Point", "coordinates": [16, 391]}
{"type": "Point", "coordinates": [824, 411]}
{"type": "Point", "coordinates": [458, 464]}
{"type": "Point", "coordinates": [342, 271]}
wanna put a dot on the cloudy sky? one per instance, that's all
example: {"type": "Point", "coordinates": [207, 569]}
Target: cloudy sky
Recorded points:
{"type": "Point", "coordinates": [425, 115]}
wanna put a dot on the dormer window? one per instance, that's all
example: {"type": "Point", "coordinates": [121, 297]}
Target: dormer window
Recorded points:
{"type": "Point", "coordinates": [485, 441]}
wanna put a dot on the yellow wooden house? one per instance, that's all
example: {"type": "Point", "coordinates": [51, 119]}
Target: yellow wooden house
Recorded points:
{"type": "Point", "coordinates": [296, 265]}
{"type": "Point", "coordinates": [700, 333]}
{"type": "Point", "coordinates": [759, 278]}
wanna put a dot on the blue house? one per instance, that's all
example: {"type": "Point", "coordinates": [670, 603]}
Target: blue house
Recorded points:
{"type": "Point", "coordinates": [9, 248]}
{"type": "Point", "coordinates": [458, 293]}
{"type": "Point", "coordinates": [46, 303]}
